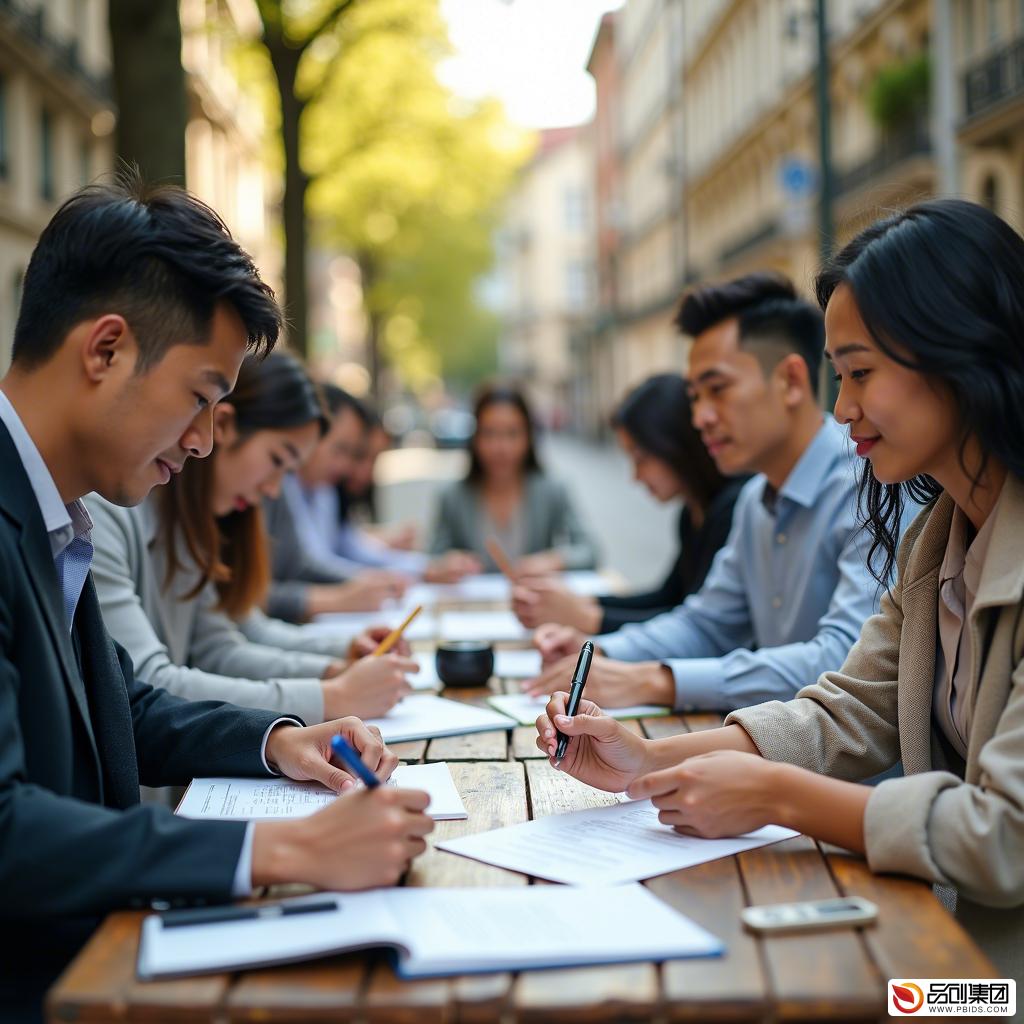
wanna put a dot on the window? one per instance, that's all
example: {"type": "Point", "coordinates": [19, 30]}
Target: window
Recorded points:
{"type": "Point", "coordinates": [990, 193]}
{"type": "Point", "coordinates": [84, 162]}
{"type": "Point", "coordinates": [4, 169]}
{"type": "Point", "coordinates": [46, 184]}
{"type": "Point", "coordinates": [577, 286]}
{"type": "Point", "coordinates": [574, 205]}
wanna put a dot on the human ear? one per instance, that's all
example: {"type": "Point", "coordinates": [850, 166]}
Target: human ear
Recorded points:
{"type": "Point", "coordinates": [793, 379]}
{"type": "Point", "coordinates": [225, 430]}
{"type": "Point", "coordinates": [107, 346]}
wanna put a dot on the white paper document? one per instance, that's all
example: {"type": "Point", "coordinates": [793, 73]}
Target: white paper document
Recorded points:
{"type": "Point", "coordinates": [426, 678]}
{"type": "Point", "coordinates": [435, 932]}
{"type": "Point", "coordinates": [487, 627]}
{"type": "Point", "coordinates": [258, 799]}
{"type": "Point", "coordinates": [517, 664]}
{"type": "Point", "coordinates": [423, 717]}
{"type": "Point", "coordinates": [525, 709]}
{"type": "Point", "coordinates": [423, 627]}
{"type": "Point", "coordinates": [493, 587]}
{"type": "Point", "coordinates": [602, 845]}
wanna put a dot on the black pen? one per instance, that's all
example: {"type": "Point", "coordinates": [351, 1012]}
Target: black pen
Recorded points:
{"type": "Point", "coordinates": [579, 680]}
{"type": "Point", "coordinates": [221, 915]}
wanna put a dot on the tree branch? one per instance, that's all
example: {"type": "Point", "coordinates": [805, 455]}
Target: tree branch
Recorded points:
{"type": "Point", "coordinates": [328, 21]}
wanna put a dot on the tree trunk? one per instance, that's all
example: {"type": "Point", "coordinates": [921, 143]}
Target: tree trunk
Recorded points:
{"type": "Point", "coordinates": [149, 87]}
{"type": "Point", "coordinates": [374, 363]}
{"type": "Point", "coordinates": [285, 60]}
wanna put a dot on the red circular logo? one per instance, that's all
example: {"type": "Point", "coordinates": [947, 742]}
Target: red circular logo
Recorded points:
{"type": "Point", "coordinates": [908, 997]}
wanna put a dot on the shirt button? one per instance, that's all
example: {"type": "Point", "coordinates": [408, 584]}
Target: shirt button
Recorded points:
{"type": "Point", "coordinates": [776, 602]}
{"type": "Point", "coordinates": [780, 538]}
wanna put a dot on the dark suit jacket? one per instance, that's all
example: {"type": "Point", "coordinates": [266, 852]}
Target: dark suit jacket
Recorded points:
{"type": "Point", "coordinates": [77, 735]}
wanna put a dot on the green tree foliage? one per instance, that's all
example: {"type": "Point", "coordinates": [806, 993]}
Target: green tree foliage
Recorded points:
{"type": "Point", "coordinates": [900, 92]}
{"type": "Point", "coordinates": [402, 176]}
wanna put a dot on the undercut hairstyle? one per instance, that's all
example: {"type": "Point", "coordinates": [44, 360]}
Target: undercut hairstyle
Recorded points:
{"type": "Point", "coordinates": [940, 289]}
{"type": "Point", "coordinates": [155, 255]}
{"type": "Point", "coordinates": [275, 393]}
{"type": "Point", "coordinates": [773, 320]}
{"type": "Point", "coordinates": [657, 416]}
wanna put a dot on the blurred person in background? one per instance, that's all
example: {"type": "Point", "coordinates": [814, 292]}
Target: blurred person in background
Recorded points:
{"type": "Point", "coordinates": [507, 497]}
{"type": "Point", "coordinates": [653, 426]}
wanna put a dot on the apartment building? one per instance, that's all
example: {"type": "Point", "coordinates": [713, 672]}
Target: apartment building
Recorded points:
{"type": "Point", "coordinates": [56, 124]}
{"type": "Point", "coordinates": [544, 268]}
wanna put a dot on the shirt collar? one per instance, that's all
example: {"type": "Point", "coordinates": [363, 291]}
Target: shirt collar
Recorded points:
{"type": "Point", "coordinates": [809, 477]}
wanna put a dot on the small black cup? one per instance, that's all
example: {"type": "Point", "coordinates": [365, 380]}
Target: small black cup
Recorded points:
{"type": "Point", "coordinates": [464, 662]}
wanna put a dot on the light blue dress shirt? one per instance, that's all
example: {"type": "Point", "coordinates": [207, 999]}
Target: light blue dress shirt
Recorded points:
{"type": "Point", "coordinates": [785, 598]}
{"type": "Point", "coordinates": [68, 527]}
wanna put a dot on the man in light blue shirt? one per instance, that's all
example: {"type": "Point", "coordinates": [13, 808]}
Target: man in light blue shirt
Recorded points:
{"type": "Point", "coordinates": [786, 597]}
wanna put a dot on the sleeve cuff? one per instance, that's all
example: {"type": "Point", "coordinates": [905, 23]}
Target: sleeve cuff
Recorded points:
{"type": "Point", "coordinates": [242, 884]}
{"type": "Point", "coordinates": [896, 824]}
{"type": "Point", "coordinates": [284, 720]}
{"type": "Point", "coordinates": [700, 683]}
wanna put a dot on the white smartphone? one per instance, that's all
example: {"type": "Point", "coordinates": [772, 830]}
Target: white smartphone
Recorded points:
{"type": "Point", "coordinates": [812, 915]}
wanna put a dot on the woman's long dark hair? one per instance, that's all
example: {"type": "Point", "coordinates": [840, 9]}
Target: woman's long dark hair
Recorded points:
{"type": "Point", "coordinates": [940, 288]}
{"type": "Point", "coordinates": [502, 394]}
{"type": "Point", "coordinates": [657, 416]}
{"type": "Point", "coordinates": [274, 393]}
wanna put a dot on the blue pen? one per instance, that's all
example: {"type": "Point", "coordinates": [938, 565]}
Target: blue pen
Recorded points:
{"type": "Point", "coordinates": [353, 762]}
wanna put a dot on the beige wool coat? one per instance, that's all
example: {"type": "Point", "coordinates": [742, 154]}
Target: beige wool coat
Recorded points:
{"type": "Point", "coordinates": [966, 833]}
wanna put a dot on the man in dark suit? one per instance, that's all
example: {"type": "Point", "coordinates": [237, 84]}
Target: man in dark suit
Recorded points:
{"type": "Point", "coordinates": [137, 310]}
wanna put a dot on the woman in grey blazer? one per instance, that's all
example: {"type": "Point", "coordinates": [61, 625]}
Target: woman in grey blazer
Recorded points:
{"type": "Point", "coordinates": [507, 497]}
{"type": "Point", "coordinates": [179, 577]}
{"type": "Point", "coordinates": [924, 316]}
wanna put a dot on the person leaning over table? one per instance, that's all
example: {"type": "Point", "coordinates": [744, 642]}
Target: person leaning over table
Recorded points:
{"type": "Point", "coordinates": [787, 595]}
{"type": "Point", "coordinates": [330, 547]}
{"type": "Point", "coordinates": [653, 427]}
{"type": "Point", "coordinates": [508, 497]}
{"type": "Point", "coordinates": [137, 309]}
{"type": "Point", "coordinates": [925, 330]}
{"type": "Point", "coordinates": [180, 577]}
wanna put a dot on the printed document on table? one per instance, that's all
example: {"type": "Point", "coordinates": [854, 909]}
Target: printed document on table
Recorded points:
{"type": "Point", "coordinates": [423, 627]}
{"type": "Point", "coordinates": [602, 845]}
{"type": "Point", "coordinates": [525, 709]}
{"type": "Point", "coordinates": [424, 717]}
{"type": "Point", "coordinates": [249, 799]}
{"type": "Point", "coordinates": [517, 664]}
{"type": "Point", "coordinates": [487, 627]}
{"type": "Point", "coordinates": [437, 932]}
{"type": "Point", "coordinates": [491, 587]}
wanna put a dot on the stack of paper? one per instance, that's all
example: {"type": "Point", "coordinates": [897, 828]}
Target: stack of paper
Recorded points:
{"type": "Point", "coordinates": [517, 664]}
{"type": "Point", "coordinates": [486, 627]}
{"type": "Point", "coordinates": [422, 717]}
{"type": "Point", "coordinates": [525, 709]}
{"type": "Point", "coordinates": [249, 799]}
{"type": "Point", "coordinates": [610, 845]}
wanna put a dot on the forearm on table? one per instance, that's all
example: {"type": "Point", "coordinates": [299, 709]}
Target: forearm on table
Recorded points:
{"type": "Point", "coordinates": [671, 750]}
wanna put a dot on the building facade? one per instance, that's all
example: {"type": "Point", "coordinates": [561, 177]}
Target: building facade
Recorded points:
{"type": "Point", "coordinates": [56, 124]}
{"type": "Point", "coordinates": [545, 268]}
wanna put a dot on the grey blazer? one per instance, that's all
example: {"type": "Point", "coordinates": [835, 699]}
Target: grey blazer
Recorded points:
{"type": "Point", "coordinates": [549, 521]}
{"type": "Point", "coordinates": [964, 831]}
{"type": "Point", "coordinates": [188, 647]}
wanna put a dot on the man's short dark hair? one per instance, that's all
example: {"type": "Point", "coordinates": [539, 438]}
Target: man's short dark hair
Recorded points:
{"type": "Point", "coordinates": [336, 399]}
{"type": "Point", "coordinates": [157, 256]}
{"type": "Point", "coordinates": [772, 318]}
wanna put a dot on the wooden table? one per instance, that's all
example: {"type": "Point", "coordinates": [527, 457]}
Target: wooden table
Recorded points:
{"type": "Point", "coordinates": [503, 779]}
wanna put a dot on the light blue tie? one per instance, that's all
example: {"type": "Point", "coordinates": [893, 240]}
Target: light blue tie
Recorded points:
{"type": "Point", "coordinates": [72, 569]}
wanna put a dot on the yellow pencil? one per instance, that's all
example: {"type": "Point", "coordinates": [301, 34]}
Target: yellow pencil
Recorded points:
{"type": "Point", "coordinates": [396, 634]}
{"type": "Point", "coordinates": [501, 560]}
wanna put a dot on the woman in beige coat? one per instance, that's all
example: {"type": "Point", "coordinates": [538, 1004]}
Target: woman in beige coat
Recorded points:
{"type": "Point", "coordinates": [924, 316]}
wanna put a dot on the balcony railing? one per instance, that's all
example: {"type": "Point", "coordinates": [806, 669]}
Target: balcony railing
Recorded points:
{"type": "Point", "coordinates": [998, 77]}
{"type": "Point", "coordinates": [63, 55]}
{"type": "Point", "coordinates": [891, 152]}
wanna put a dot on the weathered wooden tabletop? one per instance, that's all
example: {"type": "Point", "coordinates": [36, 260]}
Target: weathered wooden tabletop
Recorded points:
{"type": "Point", "coordinates": [503, 779]}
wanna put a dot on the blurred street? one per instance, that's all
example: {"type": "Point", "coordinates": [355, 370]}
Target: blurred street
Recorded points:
{"type": "Point", "coordinates": [637, 536]}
